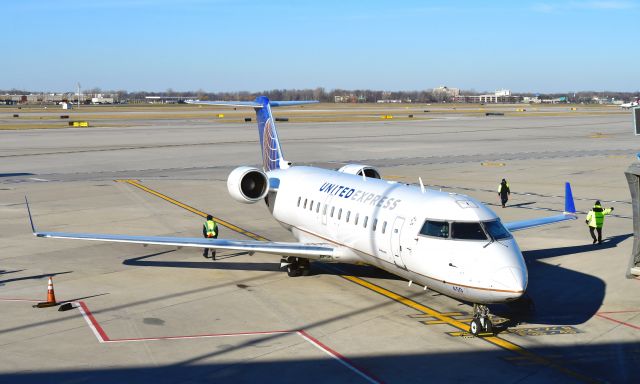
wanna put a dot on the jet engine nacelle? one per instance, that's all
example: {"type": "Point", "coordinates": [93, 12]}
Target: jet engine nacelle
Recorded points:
{"type": "Point", "coordinates": [359, 169]}
{"type": "Point", "coordinates": [248, 185]}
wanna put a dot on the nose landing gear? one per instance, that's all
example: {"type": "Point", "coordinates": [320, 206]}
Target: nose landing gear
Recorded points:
{"type": "Point", "coordinates": [481, 322]}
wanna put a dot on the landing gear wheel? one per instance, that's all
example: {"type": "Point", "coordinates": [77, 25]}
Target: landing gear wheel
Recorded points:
{"type": "Point", "coordinates": [488, 327]}
{"type": "Point", "coordinates": [305, 267]}
{"type": "Point", "coordinates": [481, 322]}
{"type": "Point", "coordinates": [475, 327]}
{"type": "Point", "coordinates": [293, 267]}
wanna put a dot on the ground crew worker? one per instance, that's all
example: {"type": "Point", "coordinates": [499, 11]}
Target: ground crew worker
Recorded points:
{"type": "Point", "coordinates": [504, 192]}
{"type": "Point", "coordinates": [210, 231]}
{"type": "Point", "coordinates": [595, 220]}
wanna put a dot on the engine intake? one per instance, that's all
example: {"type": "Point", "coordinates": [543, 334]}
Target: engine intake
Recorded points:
{"type": "Point", "coordinates": [247, 185]}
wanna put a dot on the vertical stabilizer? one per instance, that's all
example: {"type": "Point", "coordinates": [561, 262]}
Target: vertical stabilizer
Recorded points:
{"type": "Point", "coordinates": [272, 157]}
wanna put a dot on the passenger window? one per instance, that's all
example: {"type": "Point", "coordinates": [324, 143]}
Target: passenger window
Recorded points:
{"type": "Point", "coordinates": [375, 224]}
{"type": "Point", "coordinates": [339, 213]}
{"type": "Point", "coordinates": [324, 210]}
{"type": "Point", "coordinates": [348, 215]}
{"type": "Point", "coordinates": [435, 229]}
{"type": "Point", "coordinates": [467, 231]}
{"type": "Point", "coordinates": [364, 223]}
{"type": "Point", "coordinates": [318, 207]}
{"type": "Point", "coordinates": [311, 206]}
{"type": "Point", "coordinates": [299, 198]}
{"type": "Point", "coordinates": [355, 222]}
{"type": "Point", "coordinates": [384, 227]}
{"type": "Point", "coordinates": [332, 209]}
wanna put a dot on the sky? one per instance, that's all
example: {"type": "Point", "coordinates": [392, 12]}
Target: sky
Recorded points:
{"type": "Point", "coordinates": [243, 45]}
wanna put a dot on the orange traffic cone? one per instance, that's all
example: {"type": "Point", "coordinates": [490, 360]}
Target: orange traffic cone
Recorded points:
{"type": "Point", "coordinates": [51, 296]}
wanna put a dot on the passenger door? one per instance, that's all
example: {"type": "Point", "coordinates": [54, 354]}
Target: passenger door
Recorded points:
{"type": "Point", "coordinates": [396, 245]}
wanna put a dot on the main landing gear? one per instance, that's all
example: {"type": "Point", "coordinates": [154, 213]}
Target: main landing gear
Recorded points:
{"type": "Point", "coordinates": [296, 266]}
{"type": "Point", "coordinates": [481, 322]}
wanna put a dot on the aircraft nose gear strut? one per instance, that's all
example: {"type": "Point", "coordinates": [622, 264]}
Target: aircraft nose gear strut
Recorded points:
{"type": "Point", "coordinates": [481, 322]}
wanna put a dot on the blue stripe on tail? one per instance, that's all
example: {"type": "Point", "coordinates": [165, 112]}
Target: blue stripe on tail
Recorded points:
{"type": "Point", "coordinates": [271, 152]}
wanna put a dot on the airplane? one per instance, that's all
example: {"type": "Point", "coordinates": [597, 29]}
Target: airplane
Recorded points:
{"type": "Point", "coordinates": [447, 242]}
{"type": "Point", "coordinates": [630, 104]}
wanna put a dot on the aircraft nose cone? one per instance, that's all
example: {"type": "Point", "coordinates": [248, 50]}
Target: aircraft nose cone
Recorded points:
{"type": "Point", "coordinates": [511, 279]}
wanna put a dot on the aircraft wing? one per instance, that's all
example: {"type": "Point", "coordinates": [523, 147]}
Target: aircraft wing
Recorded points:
{"type": "Point", "coordinates": [569, 214]}
{"type": "Point", "coordinates": [307, 250]}
{"type": "Point", "coordinates": [311, 251]}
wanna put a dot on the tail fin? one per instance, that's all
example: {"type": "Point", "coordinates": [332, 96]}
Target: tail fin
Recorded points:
{"type": "Point", "coordinates": [272, 157]}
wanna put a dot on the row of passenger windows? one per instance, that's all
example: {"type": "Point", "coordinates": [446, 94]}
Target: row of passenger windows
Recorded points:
{"type": "Point", "coordinates": [315, 206]}
{"type": "Point", "coordinates": [465, 230]}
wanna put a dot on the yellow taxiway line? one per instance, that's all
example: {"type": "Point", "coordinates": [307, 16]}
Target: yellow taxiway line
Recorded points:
{"type": "Point", "coordinates": [443, 317]}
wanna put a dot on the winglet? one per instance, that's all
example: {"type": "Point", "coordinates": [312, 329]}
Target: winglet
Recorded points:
{"type": "Point", "coordinates": [33, 227]}
{"type": "Point", "coordinates": [569, 205]}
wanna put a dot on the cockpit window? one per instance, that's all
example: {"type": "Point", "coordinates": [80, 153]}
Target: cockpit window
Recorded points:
{"type": "Point", "coordinates": [497, 230]}
{"type": "Point", "coordinates": [435, 229]}
{"type": "Point", "coordinates": [467, 231]}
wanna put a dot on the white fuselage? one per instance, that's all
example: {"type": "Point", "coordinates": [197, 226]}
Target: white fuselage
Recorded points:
{"type": "Point", "coordinates": [379, 222]}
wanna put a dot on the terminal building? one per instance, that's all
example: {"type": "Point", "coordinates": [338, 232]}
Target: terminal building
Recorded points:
{"type": "Point", "coordinates": [501, 96]}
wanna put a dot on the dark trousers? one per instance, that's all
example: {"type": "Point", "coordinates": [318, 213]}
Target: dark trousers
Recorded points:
{"type": "Point", "coordinates": [504, 198]}
{"type": "Point", "coordinates": [205, 252]}
{"type": "Point", "coordinates": [593, 235]}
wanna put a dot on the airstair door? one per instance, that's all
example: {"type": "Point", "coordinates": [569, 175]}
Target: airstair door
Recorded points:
{"type": "Point", "coordinates": [396, 246]}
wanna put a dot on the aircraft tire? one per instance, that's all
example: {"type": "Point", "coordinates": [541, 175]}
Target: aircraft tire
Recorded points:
{"type": "Point", "coordinates": [488, 327]}
{"type": "Point", "coordinates": [475, 327]}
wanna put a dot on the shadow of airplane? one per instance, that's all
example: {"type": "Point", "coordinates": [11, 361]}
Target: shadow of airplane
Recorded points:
{"type": "Point", "coordinates": [316, 268]}
{"type": "Point", "coordinates": [576, 363]}
{"type": "Point", "coordinates": [557, 295]}
{"type": "Point", "coordinates": [34, 277]}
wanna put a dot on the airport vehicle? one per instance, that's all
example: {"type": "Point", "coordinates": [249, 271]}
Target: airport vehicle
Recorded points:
{"type": "Point", "coordinates": [630, 104]}
{"type": "Point", "coordinates": [448, 242]}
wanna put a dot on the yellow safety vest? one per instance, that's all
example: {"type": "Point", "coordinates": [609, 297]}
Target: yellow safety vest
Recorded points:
{"type": "Point", "coordinates": [595, 217]}
{"type": "Point", "coordinates": [500, 187]}
{"type": "Point", "coordinates": [211, 228]}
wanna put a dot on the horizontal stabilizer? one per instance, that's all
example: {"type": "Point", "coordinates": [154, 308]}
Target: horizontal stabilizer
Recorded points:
{"type": "Point", "coordinates": [251, 104]}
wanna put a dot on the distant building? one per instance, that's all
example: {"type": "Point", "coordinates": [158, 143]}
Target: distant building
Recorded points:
{"type": "Point", "coordinates": [66, 105]}
{"type": "Point", "coordinates": [502, 96]}
{"type": "Point", "coordinates": [446, 92]}
{"type": "Point", "coordinates": [100, 99]}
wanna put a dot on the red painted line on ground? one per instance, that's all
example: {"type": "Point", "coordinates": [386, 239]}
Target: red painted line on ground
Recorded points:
{"type": "Point", "coordinates": [102, 337]}
{"type": "Point", "coordinates": [93, 323]}
{"type": "Point", "coordinates": [26, 300]}
{"type": "Point", "coordinates": [343, 360]}
{"type": "Point", "coordinates": [628, 311]}
{"type": "Point", "coordinates": [618, 321]}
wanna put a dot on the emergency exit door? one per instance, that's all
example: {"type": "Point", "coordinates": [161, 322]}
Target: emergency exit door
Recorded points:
{"type": "Point", "coordinates": [396, 246]}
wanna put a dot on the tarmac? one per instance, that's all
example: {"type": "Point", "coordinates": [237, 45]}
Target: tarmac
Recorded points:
{"type": "Point", "coordinates": [168, 315]}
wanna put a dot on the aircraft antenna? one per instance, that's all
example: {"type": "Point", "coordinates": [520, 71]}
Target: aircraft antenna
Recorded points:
{"type": "Point", "coordinates": [421, 185]}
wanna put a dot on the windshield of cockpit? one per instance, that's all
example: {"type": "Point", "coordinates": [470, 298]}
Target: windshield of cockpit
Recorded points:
{"type": "Point", "coordinates": [459, 230]}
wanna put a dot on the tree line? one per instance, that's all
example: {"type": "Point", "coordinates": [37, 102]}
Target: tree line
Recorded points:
{"type": "Point", "coordinates": [346, 95]}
